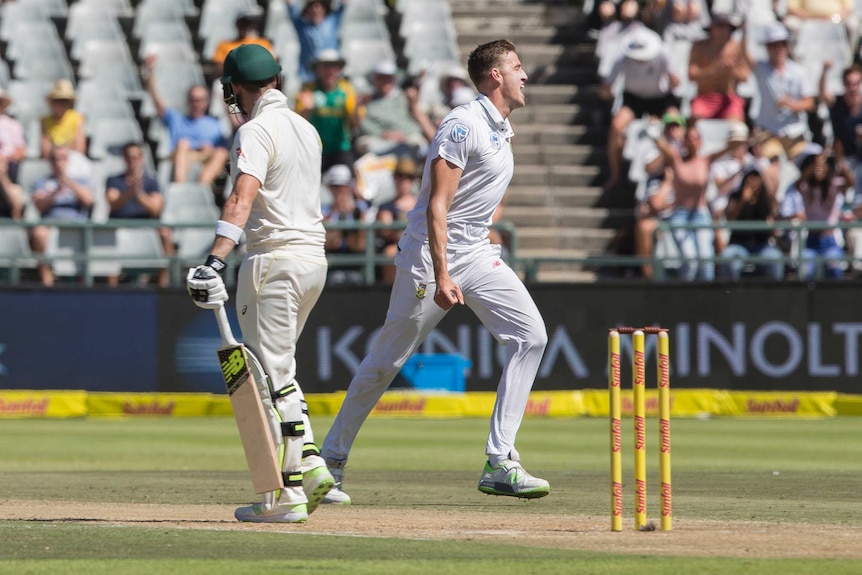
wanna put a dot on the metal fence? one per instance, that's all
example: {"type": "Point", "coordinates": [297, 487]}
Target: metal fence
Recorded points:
{"type": "Point", "coordinates": [93, 249]}
{"type": "Point", "coordinates": [88, 258]}
{"type": "Point", "coordinates": [791, 233]}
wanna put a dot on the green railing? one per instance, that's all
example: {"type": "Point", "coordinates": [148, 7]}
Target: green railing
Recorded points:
{"type": "Point", "coordinates": [367, 261]}
{"type": "Point", "coordinates": [794, 257]}
{"type": "Point", "coordinates": [530, 266]}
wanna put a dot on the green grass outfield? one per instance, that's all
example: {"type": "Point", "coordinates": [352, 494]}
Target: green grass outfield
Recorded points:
{"type": "Point", "coordinates": [786, 477]}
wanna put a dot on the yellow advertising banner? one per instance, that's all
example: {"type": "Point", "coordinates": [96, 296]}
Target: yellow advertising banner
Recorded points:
{"type": "Point", "coordinates": [683, 403]}
{"type": "Point", "coordinates": [846, 404]}
{"type": "Point", "coordinates": [416, 404]}
{"type": "Point", "coordinates": [589, 402]}
{"type": "Point", "coordinates": [43, 403]}
{"type": "Point", "coordinates": [143, 404]}
{"type": "Point", "coordinates": [781, 403]}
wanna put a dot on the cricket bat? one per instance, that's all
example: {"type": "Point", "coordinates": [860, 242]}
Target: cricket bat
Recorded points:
{"type": "Point", "coordinates": [257, 440]}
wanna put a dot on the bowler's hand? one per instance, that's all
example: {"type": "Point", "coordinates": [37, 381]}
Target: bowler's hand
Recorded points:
{"type": "Point", "coordinates": [448, 294]}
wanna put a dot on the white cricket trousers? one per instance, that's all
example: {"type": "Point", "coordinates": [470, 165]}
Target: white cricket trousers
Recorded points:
{"type": "Point", "coordinates": [276, 290]}
{"type": "Point", "coordinates": [498, 298]}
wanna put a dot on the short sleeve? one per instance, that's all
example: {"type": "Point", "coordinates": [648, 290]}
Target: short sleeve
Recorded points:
{"type": "Point", "coordinates": [455, 137]}
{"type": "Point", "coordinates": [254, 150]}
{"type": "Point", "coordinates": [151, 185]}
{"type": "Point", "coordinates": [170, 116]}
{"type": "Point", "coordinates": [114, 182]}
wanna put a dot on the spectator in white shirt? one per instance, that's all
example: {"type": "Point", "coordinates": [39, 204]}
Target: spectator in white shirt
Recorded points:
{"type": "Point", "coordinates": [646, 71]}
{"type": "Point", "coordinates": [786, 94]}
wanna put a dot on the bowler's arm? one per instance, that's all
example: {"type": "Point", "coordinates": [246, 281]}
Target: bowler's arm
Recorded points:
{"type": "Point", "coordinates": [444, 182]}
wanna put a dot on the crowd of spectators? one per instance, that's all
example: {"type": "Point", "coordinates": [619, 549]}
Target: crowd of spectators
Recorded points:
{"type": "Point", "coordinates": [721, 112]}
{"type": "Point", "coordinates": [375, 131]}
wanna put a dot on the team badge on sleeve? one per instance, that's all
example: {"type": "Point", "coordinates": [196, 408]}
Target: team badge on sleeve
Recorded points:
{"type": "Point", "coordinates": [459, 132]}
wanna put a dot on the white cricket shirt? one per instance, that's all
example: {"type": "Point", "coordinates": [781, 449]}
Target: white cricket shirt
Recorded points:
{"type": "Point", "coordinates": [477, 139]}
{"type": "Point", "coordinates": [282, 150]}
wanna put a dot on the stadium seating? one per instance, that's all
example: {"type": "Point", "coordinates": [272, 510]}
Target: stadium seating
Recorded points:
{"type": "Point", "coordinates": [99, 45]}
{"type": "Point", "coordinates": [15, 247]}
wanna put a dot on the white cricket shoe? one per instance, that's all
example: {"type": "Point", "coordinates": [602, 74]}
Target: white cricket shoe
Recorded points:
{"type": "Point", "coordinates": [509, 478]}
{"type": "Point", "coordinates": [336, 496]}
{"type": "Point", "coordinates": [280, 514]}
{"type": "Point", "coordinates": [317, 482]}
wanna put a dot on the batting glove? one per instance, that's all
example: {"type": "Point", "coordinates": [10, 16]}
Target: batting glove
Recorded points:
{"type": "Point", "coordinates": [206, 285]}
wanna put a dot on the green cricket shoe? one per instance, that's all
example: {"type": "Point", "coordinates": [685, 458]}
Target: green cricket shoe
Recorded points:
{"type": "Point", "coordinates": [510, 479]}
{"type": "Point", "coordinates": [317, 483]}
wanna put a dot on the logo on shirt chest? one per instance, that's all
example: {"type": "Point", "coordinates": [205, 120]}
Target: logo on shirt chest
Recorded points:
{"type": "Point", "coordinates": [496, 141]}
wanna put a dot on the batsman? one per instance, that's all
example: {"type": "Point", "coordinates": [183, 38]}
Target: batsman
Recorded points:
{"type": "Point", "coordinates": [275, 201]}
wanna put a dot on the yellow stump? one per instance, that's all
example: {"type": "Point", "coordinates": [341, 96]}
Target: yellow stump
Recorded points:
{"type": "Point", "coordinates": [614, 381]}
{"type": "Point", "coordinates": [663, 355]}
{"type": "Point", "coordinates": [639, 388]}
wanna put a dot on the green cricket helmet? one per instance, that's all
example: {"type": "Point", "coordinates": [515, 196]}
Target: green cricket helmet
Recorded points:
{"type": "Point", "coordinates": [249, 63]}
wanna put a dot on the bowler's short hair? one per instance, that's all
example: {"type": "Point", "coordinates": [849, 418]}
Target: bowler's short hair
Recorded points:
{"type": "Point", "coordinates": [486, 57]}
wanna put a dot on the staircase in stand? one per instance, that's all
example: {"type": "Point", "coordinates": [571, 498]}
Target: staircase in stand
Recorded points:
{"type": "Point", "coordinates": [555, 199]}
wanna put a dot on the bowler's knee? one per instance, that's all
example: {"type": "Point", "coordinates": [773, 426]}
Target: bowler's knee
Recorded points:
{"type": "Point", "coordinates": [536, 338]}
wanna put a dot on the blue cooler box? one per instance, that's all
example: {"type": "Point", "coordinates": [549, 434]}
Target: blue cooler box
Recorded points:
{"type": "Point", "coordinates": [439, 371]}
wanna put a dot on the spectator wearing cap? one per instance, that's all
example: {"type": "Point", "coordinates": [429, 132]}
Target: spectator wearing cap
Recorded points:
{"type": "Point", "coordinates": [345, 207]}
{"type": "Point", "coordinates": [786, 93]}
{"type": "Point", "coordinates": [454, 85]}
{"type": "Point", "coordinates": [329, 103]}
{"type": "Point", "coordinates": [247, 32]}
{"type": "Point", "coordinates": [726, 172]}
{"type": "Point", "coordinates": [13, 145]}
{"type": "Point", "coordinates": [752, 202]}
{"type": "Point", "coordinates": [646, 71]}
{"type": "Point", "coordinates": [63, 126]}
{"type": "Point", "coordinates": [389, 125]}
{"type": "Point", "coordinates": [317, 24]}
{"type": "Point", "coordinates": [395, 210]}
{"type": "Point", "coordinates": [196, 136]}
{"type": "Point", "coordinates": [845, 114]}
{"type": "Point", "coordinates": [716, 66]}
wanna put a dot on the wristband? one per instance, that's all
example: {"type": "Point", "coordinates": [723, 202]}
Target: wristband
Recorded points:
{"type": "Point", "coordinates": [216, 263]}
{"type": "Point", "coordinates": [228, 230]}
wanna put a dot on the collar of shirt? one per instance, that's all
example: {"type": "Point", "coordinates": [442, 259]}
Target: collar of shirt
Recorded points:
{"type": "Point", "coordinates": [272, 98]}
{"type": "Point", "coordinates": [495, 117]}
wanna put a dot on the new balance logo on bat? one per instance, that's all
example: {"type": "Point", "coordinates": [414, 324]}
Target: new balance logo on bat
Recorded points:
{"type": "Point", "coordinates": [233, 367]}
